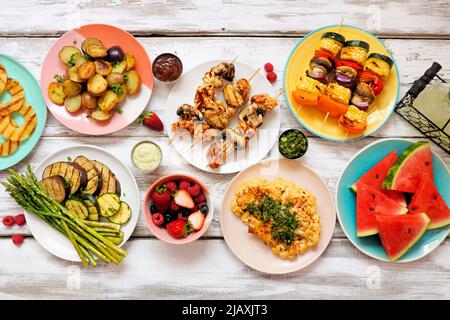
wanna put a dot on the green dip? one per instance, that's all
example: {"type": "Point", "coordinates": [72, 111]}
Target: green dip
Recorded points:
{"type": "Point", "coordinates": [292, 144]}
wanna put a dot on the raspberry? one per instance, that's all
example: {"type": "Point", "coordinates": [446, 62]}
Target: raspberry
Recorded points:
{"type": "Point", "coordinates": [200, 198]}
{"type": "Point", "coordinates": [194, 190]}
{"type": "Point", "coordinates": [17, 239]}
{"type": "Point", "coordinates": [158, 219]}
{"type": "Point", "coordinates": [171, 185]}
{"type": "Point", "coordinates": [20, 219]}
{"type": "Point", "coordinates": [184, 184]}
{"type": "Point", "coordinates": [271, 76]}
{"type": "Point", "coordinates": [268, 67]}
{"type": "Point", "coordinates": [8, 221]}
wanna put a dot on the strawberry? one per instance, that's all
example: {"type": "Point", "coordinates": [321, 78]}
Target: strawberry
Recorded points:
{"type": "Point", "coordinates": [200, 198]}
{"type": "Point", "coordinates": [151, 120]}
{"type": "Point", "coordinates": [194, 190]}
{"type": "Point", "coordinates": [172, 186]}
{"type": "Point", "coordinates": [179, 228]}
{"type": "Point", "coordinates": [184, 199]}
{"type": "Point", "coordinates": [173, 205]}
{"type": "Point", "coordinates": [184, 184]}
{"type": "Point", "coordinates": [161, 198]}
{"type": "Point", "coordinates": [197, 220]}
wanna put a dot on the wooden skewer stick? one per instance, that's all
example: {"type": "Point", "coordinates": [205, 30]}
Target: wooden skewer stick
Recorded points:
{"type": "Point", "coordinates": [171, 138]}
{"type": "Point", "coordinates": [234, 60]}
{"type": "Point", "coordinates": [254, 74]}
{"type": "Point", "coordinates": [279, 94]}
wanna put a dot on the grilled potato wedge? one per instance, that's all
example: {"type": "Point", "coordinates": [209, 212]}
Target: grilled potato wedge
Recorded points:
{"type": "Point", "coordinates": [96, 51]}
{"type": "Point", "coordinates": [100, 115]}
{"type": "Point", "coordinates": [90, 41]}
{"type": "Point", "coordinates": [8, 148]}
{"type": "Point", "coordinates": [102, 67]}
{"type": "Point", "coordinates": [3, 78]}
{"type": "Point", "coordinates": [17, 98]}
{"type": "Point", "coordinates": [133, 81]}
{"type": "Point", "coordinates": [109, 182]}
{"type": "Point", "coordinates": [119, 66]}
{"type": "Point", "coordinates": [97, 85]}
{"type": "Point", "coordinates": [56, 187]}
{"type": "Point", "coordinates": [71, 88]}
{"type": "Point", "coordinates": [93, 175]}
{"type": "Point", "coordinates": [67, 53]}
{"type": "Point", "coordinates": [56, 93]}
{"type": "Point", "coordinates": [88, 101]}
{"type": "Point", "coordinates": [86, 70]}
{"type": "Point", "coordinates": [130, 61]}
{"type": "Point", "coordinates": [80, 60]}
{"type": "Point", "coordinates": [12, 131]}
{"type": "Point", "coordinates": [108, 101]}
{"type": "Point", "coordinates": [74, 175]}
{"type": "Point", "coordinates": [72, 73]}
{"type": "Point", "coordinates": [73, 104]}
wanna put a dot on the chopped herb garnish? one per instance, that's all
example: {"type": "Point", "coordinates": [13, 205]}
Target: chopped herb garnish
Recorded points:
{"type": "Point", "coordinates": [119, 110]}
{"type": "Point", "coordinates": [125, 76]}
{"type": "Point", "coordinates": [72, 60]}
{"type": "Point", "coordinates": [292, 144]}
{"type": "Point", "coordinates": [58, 78]}
{"type": "Point", "coordinates": [117, 89]}
{"type": "Point", "coordinates": [69, 158]}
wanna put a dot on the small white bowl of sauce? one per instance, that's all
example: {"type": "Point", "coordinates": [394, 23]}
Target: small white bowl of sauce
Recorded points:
{"type": "Point", "coordinates": [146, 156]}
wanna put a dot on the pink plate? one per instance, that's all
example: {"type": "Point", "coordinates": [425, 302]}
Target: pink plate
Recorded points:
{"type": "Point", "coordinates": [162, 233]}
{"type": "Point", "coordinates": [132, 107]}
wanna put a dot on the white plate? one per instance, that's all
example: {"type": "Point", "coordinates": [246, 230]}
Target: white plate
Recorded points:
{"type": "Point", "coordinates": [250, 249]}
{"type": "Point", "coordinates": [184, 92]}
{"type": "Point", "coordinates": [55, 242]}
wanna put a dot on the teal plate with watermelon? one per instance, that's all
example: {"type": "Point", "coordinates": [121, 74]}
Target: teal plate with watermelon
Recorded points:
{"type": "Point", "coordinates": [369, 241]}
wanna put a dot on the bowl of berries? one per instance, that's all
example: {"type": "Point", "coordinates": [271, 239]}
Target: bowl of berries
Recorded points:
{"type": "Point", "coordinates": [178, 209]}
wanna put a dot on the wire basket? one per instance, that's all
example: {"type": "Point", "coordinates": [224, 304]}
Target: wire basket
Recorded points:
{"type": "Point", "coordinates": [422, 123]}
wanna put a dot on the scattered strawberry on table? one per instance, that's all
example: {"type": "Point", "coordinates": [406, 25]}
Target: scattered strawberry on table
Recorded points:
{"type": "Point", "coordinates": [180, 207]}
{"type": "Point", "coordinates": [151, 120]}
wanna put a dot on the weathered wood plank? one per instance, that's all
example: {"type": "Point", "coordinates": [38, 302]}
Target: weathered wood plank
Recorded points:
{"type": "Point", "coordinates": [413, 58]}
{"type": "Point", "coordinates": [219, 17]}
{"type": "Point", "coordinates": [318, 155]}
{"type": "Point", "coordinates": [208, 270]}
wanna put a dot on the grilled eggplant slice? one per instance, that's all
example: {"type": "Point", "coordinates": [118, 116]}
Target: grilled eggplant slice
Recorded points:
{"type": "Point", "coordinates": [93, 175]}
{"type": "Point", "coordinates": [74, 175]}
{"type": "Point", "coordinates": [56, 187]}
{"type": "Point", "coordinates": [109, 204]}
{"type": "Point", "coordinates": [77, 208]}
{"type": "Point", "coordinates": [123, 215]}
{"type": "Point", "coordinates": [109, 182]}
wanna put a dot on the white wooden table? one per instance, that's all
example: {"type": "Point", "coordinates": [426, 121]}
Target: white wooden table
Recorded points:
{"type": "Point", "coordinates": [257, 32]}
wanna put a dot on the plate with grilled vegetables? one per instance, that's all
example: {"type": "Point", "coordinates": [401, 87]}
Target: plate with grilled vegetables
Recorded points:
{"type": "Point", "coordinates": [93, 186]}
{"type": "Point", "coordinates": [22, 112]}
{"type": "Point", "coordinates": [341, 83]}
{"type": "Point", "coordinates": [224, 116]}
{"type": "Point", "coordinates": [96, 79]}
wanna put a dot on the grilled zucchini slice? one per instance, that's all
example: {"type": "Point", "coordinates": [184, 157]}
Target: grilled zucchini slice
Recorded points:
{"type": "Point", "coordinates": [74, 175]}
{"type": "Point", "coordinates": [93, 175]}
{"type": "Point", "coordinates": [123, 215]}
{"type": "Point", "coordinates": [92, 206]}
{"type": "Point", "coordinates": [108, 204]}
{"type": "Point", "coordinates": [77, 208]}
{"type": "Point", "coordinates": [56, 187]}
{"type": "Point", "coordinates": [109, 182]}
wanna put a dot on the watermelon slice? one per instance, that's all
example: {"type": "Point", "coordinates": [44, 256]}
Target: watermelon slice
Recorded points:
{"type": "Point", "coordinates": [428, 199]}
{"type": "Point", "coordinates": [375, 176]}
{"type": "Point", "coordinates": [399, 233]}
{"type": "Point", "coordinates": [405, 173]}
{"type": "Point", "coordinates": [369, 203]}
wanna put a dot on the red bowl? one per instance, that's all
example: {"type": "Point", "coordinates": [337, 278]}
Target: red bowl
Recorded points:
{"type": "Point", "coordinates": [161, 233]}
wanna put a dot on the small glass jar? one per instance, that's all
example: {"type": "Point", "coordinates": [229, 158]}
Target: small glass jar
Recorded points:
{"type": "Point", "coordinates": [332, 42]}
{"type": "Point", "coordinates": [356, 51]}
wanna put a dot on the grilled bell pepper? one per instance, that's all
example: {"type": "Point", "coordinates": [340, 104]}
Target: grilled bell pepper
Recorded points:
{"type": "Point", "coordinates": [373, 80]}
{"type": "Point", "coordinates": [328, 105]}
{"type": "Point", "coordinates": [348, 63]}
{"type": "Point", "coordinates": [305, 98]}
{"type": "Point", "coordinates": [324, 54]}
{"type": "Point", "coordinates": [353, 121]}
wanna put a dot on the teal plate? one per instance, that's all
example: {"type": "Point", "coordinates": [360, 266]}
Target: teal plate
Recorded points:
{"type": "Point", "coordinates": [34, 97]}
{"type": "Point", "coordinates": [346, 200]}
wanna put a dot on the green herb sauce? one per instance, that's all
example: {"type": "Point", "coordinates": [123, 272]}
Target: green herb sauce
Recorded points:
{"type": "Point", "coordinates": [292, 144]}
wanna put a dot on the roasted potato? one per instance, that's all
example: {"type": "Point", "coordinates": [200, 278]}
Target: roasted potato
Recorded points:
{"type": "Point", "coordinates": [130, 61]}
{"type": "Point", "coordinates": [133, 81]}
{"type": "Point", "coordinates": [71, 88]}
{"type": "Point", "coordinates": [100, 115]}
{"type": "Point", "coordinates": [86, 70]}
{"type": "Point", "coordinates": [102, 67]}
{"type": "Point", "coordinates": [73, 104]}
{"type": "Point", "coordinates": [115, 78]}
{"type": "Point", "coordinates": [119, 66]}
{"type": "Point", "coordinates": [80, 60]}
{"type": "Point", "coordinates": [90, 41]}
{"type": "Point", "coordinates": [88, 101]}
{"type": "Point", "coordinates": [97, 85]}
{"type": "Point", "coordinates": [122, 94]}
{"type": "Point", "coordinates": [108, 101]}
{"type": "Point", "coordinates": [96, 51]}
{"type": "Point", "coordinates": [67, 53]}
{"type": "Point", "coordinates": [72, 72]}
{"type": "Point", "coordinates": [56, 93]}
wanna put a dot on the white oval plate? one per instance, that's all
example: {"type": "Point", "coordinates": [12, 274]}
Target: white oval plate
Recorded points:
{"type": "Point", "coordinates": [52, 240]}
{"type": "Point", "coordinates": [184, 91]}
{"type": "Point", "coordinates": [250, 249]}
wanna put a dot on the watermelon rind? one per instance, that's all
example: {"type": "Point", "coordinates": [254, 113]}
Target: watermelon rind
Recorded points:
{"type": "Point", "coordinates": [389, 180]}
{"type": "Point", "coordinates": [413, 242]}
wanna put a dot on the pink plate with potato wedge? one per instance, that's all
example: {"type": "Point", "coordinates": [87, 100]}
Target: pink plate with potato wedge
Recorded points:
{"type": "Point", "coordinates": [105, 104]}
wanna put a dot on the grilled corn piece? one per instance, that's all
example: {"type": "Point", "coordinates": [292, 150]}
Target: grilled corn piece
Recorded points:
{"type": "Point", "coordinates": [354, 120]}
{"type": "Point", "coordinates": [311, 85]}
{"type": "Point", "coordinates": [338, 93]}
